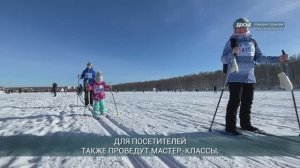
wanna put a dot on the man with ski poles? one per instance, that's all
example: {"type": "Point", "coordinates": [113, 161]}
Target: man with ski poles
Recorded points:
{"type": "Point", "coordinates": [88, 75]}
{"type": "Point", "coordinates": [240, 54]}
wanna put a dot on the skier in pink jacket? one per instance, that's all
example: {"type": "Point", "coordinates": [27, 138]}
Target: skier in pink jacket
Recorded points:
{"type": "Point", "coordinates": [98, 88]}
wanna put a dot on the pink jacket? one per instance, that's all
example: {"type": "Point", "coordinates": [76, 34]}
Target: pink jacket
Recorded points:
{"type": "Point", "coordinates": [98, 90]}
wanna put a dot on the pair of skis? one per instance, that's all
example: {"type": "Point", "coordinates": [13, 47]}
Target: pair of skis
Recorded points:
{"type": "Point", "coordinates": [96, 117]}
{"type": "Point", "coordinates": [255, 133]}
{"type": "Point", "coordinates": [241, 132]}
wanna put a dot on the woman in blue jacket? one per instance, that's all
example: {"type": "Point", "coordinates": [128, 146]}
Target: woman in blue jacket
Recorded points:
{"type": "Point", "coordinates": [241, 83]}
{"type": "Point", "coordinates": [88, 76]}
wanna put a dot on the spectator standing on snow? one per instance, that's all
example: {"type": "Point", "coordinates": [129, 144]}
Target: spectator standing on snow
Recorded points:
{"type": "Point", "coordinates": [54, 87]}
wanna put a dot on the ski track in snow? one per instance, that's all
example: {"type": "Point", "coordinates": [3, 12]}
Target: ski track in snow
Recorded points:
{"type": "Point", "coordinates": [141, 114]}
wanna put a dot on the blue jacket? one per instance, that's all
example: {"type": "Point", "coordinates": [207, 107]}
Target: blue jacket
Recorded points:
{"type": "Point", "coordinates": [244, 59]}
{"type": "Point", "coordinates": [88, 75]}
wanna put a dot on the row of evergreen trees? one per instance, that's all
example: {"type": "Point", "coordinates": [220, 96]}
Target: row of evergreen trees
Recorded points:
{"type": "Point", "coordinates": [266, 76]}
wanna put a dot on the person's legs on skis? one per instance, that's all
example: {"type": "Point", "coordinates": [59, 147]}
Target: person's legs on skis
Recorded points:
{"type": "Point", "coordinates": [86, 96]}
{"type": "Point", "coordinates": [91, 97]}
{"type": "Point", "coordinates": [245, 109]}
{"type": "Point", "coordinates": [96, 109]}
{"type": "Point", "coordinates": [232, 107]}
{"type": "Point", "coordinates": [102, 108]}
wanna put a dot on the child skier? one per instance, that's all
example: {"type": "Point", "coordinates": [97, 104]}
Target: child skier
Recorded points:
{"type": "Point", "coordinates": [98, 88]}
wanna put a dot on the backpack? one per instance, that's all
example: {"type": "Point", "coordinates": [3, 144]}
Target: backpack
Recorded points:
{"type": "Point", "coordinates": [233, 44]}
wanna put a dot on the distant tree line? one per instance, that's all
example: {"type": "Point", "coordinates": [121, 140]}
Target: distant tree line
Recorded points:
{"type": "Point", "coordinates": [266, 76]}
{"type": "Point", "coordinates": [37, 89]}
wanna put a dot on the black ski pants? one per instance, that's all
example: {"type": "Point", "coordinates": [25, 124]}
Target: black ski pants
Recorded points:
{"type": "Point", "coordinates": [88, 97]}
{"type": "Point", "coordinates": [54, 91]}
{"type": "Point", "coordinates": [241, 94]}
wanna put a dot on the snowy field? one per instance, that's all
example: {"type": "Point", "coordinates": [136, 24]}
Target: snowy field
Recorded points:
{"type": "Point", "coordinates": [142, 114]}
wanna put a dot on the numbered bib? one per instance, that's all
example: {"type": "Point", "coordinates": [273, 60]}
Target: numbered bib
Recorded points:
{"type": "Point", "coordinates": [98, 88]}
{"type": "Point", "coordinates": [88, 75]}
{"type": "Point", "coordinates": [246, 49]}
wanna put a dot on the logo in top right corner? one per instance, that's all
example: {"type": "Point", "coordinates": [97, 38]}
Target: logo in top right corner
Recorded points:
{"type": "Point", "coordinates": [240, 25]}
{"type": "Point", "coordinates": [276, 26]}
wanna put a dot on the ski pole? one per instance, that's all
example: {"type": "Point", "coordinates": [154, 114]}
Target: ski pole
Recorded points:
{"type": "Point", "coordinates": [234, 68]}
{"type": "Point", "coordinates": [87, 93]}
{"type": "Point", "coordinates": [218, 104]}
{"type": "Point", "coordinates": [292, 91]}
{"type": "Point", "coordinates": [296, 109]}
{"type": "Point", "coordinates": [114, 101]}
{"type": "Point", "coordinates": [77, 88]}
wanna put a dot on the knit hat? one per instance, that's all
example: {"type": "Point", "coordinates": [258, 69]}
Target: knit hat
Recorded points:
{"type": "Point", "coordinates": [89, 63]}
{"type": "Point", "coordinates": [99, 76]}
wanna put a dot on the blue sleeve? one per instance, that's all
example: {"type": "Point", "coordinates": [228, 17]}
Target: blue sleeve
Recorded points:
{"type": "Point", "coordinates": [83, 74]}
{"type": "Point", "coordinates": [94, 74]}
{"type": "Point", "coordinates": [227, 56]}
{"type": "Point", "coordinates": [260, 58]}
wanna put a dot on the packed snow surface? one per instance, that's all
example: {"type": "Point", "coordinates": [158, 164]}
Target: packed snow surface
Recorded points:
{"type": "Point", "coordinates": [148, 113]}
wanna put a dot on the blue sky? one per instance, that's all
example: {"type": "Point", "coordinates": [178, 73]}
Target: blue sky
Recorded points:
{"type": "Point", "coordinates": [129, 40]}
